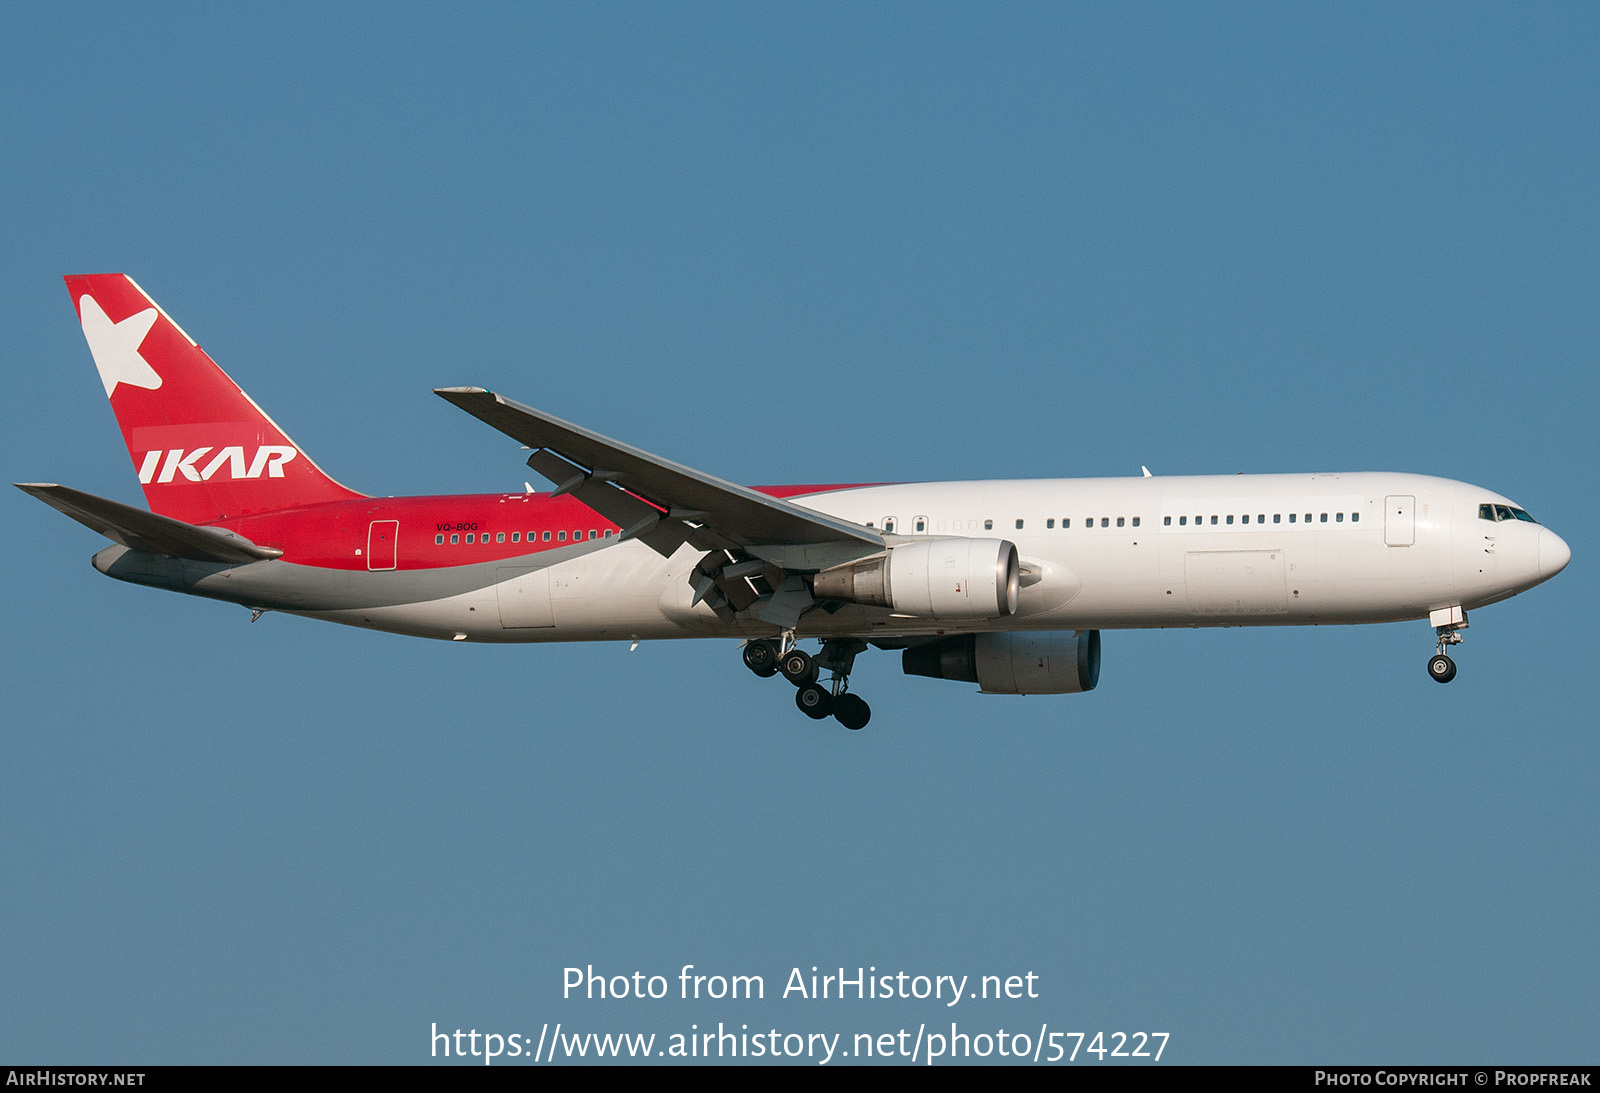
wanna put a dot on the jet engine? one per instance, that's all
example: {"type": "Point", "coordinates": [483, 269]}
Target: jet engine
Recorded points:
{"type": "Point", "coordinates": [1056, 662]}
{"type": "Point", "coordinates": [935, 578]}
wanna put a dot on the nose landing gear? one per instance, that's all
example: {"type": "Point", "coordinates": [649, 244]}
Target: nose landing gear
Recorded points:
{"type": "Point", "coordinates": [1448, 624]}
{"type": "Point", "coordinates": [767, 658]}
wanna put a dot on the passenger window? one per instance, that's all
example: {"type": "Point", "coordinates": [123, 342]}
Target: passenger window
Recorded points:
{"type": "Point", "coordinates": [888, 524]}
{"type": "Point", "coordinates": [561, 536]}
{"type": "Point", "coordinates": [1277, 518]}
{"type": "Point", "coordinates": [1291, 518]}
{"type": "Point", "coordinates": [1338, 518]}
{"type": "Point", "coordinates": [1324, 518]}
{"type": "Point", "coordinates": [1019, 525]}
{"type": "Point", "coordinates": [1135, 521]}
{"type": "Point", "coordinates": [593, 534]}
{"type": "Point", "coordinates": [1261, 517]}
{"type": "Point", "coordinates": [1355, 517]}
{"type": "Point", "coordinates": [438, 540]}
{"type": "Point", "coordinates": [516, 536]}
{"type": "Point", "coordinates": [469, 537]}
{"type": "Point", "coordinates": [1066, 522]}
{"type": "Point", "coordinates": [455, 539]}
{"type": "Point", "coordinates": [1182, 520]}
{"type": "Point", "coordinates": [988, 525]}
{"type": "Point", "coordinates": [1166, 521]}
{"type": "Point", "coordinates": [499, 536]}
{"type": "Point", "coordinates": [1119, 521]}
{"type": "Point", "coordinates": [545, 536]}
{"type": "Point", "coordinates": [1230, 518]}
{"type": "Point", "coordinates": [1213, 519]}
{"type": "Point", "coordinates": [1105, 521]}
{"type": "Point", "coordinates": [922, 523]}
{"type": "Point", "coordinates": [1050, 523]}
{"type": "Point", "coordinates": [608, 533]}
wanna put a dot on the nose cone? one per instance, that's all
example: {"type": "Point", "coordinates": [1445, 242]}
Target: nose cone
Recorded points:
{"type": "Point", "coordinates": [1554, 554]}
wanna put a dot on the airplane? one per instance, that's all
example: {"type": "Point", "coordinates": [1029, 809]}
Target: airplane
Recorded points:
{"type": "Point", "coordinates": [1006, 584]}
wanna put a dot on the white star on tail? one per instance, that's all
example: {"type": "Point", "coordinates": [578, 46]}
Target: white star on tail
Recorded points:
{"type": "Point", "coordinates": [116, 346]}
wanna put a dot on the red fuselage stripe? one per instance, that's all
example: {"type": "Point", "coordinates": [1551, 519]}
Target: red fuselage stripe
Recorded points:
{"type": "Point", "coordinates": [437, 532]}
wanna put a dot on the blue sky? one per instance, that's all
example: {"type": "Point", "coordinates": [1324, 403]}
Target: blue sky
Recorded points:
{"type": "Point", "coordinates": [808, 243]}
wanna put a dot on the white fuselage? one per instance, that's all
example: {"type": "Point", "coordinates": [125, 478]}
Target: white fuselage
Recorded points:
{"type": "Point", "coordinates": [1240, 550]}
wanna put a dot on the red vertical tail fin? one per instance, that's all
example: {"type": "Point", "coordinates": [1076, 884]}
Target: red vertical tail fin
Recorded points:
{"type": "Point", "coordinates": [203, 449]}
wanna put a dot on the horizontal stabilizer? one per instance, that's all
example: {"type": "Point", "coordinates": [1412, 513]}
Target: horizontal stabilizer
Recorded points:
{"type": "Point", "coordinates": [140, 530]}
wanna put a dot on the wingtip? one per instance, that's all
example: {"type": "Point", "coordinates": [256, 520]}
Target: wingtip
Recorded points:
{"type": "Point", "coordinates": [446, 392]}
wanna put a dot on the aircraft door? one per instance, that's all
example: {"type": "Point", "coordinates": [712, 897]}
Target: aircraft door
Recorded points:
{"type": "Point", "coordinates": [382, 537]}
{"type": "Point", "coordinates": [1399, 520]}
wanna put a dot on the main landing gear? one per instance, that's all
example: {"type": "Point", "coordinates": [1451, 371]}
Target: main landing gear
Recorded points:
{"type": "Point", "coordinates": [1448, 624]}
{"type": "Point", "coordinates": [768, 658]}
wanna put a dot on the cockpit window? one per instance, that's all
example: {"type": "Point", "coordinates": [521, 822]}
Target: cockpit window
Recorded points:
{"type": "Point", "coordinates": [1504, 512]}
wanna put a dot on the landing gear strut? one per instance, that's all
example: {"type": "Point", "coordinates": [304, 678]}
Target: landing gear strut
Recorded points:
{"type": "Point", "coordinates": [1448, 624]}
{"type": "Point", "coordinates": [837, 657]}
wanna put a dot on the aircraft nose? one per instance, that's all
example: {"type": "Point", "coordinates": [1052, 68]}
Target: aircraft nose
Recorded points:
{"type": "Point", "coordinates": [1554, 554]}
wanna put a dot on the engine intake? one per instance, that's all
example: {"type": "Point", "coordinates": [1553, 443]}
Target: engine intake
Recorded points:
{"type": "Point", "coordinates": [936, 578]}
{"type": "Point", "coordinates": [1055, 662]}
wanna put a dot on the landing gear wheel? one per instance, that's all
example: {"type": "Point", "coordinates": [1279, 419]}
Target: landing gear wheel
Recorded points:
{"type": "Point", "coordinates": [851, 711]}
{"type": "Point", "coordinates": [761, 657]}
{"type": "Point", "coordinates": [813, 701]}
{"type": "Point", "coordinates": [1442, 668]}
{"type": "Point", "coordinates": [798, 667]}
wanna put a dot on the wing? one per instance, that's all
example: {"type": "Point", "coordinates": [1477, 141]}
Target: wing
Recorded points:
{"type": "Point", "coordinates": [590, 465]}
{"type": "Point", "coordinates": [749, 535]}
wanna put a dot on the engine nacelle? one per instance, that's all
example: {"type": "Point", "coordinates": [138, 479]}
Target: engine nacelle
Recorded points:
{"type": "Point", "coordinates": [1055, 662]}
{"type": "Point", "coordinates": [934, 578]}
